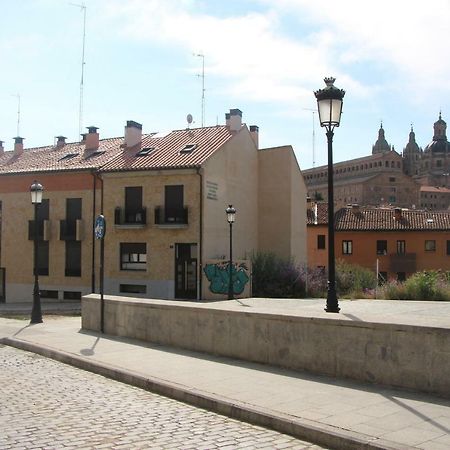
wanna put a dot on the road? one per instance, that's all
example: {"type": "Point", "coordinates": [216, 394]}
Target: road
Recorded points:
{"type": "Point", "coordinates": [45, 404]}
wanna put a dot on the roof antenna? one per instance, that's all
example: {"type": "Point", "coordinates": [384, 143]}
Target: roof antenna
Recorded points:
{"type": "Point", "coordinates": [189, 120]}
{"type": "Point", "coordinates": [202, 76]}
{"type": "Point", "coordinates": [18, 113]}
{"type": "Point", "coordinates": [80, 116]}
{"type": "Point", "coordinates": [313, 135]}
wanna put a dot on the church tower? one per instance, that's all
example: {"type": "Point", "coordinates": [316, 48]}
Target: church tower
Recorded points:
{"type": "Point", "coordinates": [381, 145]}
{"type": "Point", "coordinates": [412, 154]}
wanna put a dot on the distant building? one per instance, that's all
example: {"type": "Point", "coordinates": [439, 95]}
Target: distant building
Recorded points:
{"type": "Point", "coordinates": [401, 242]}
{"type": "Point", "coordinates": [387, 177]}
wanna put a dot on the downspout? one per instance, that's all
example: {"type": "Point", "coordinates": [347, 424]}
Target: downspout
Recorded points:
{"type": "Point", "coordinates": [200, 246]}
{"type": "Point", "coordinates": [94, 197]}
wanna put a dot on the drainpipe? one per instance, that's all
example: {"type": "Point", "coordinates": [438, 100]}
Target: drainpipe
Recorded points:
{"type": "Point", "coordinates": [94, 197]}
{"type": "Point", "coordinates": [200, 246]}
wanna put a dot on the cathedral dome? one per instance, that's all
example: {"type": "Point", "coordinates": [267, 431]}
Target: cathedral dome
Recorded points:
{"type": "Point", "coordinates": [439, 144]}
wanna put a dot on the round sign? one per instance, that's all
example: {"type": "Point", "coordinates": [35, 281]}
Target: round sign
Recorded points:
{"type": "Point", "coordinates": [100, 227]}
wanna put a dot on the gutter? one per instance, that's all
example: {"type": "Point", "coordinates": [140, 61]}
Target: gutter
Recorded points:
{"type": "Point", "coordinates": [200, 245]}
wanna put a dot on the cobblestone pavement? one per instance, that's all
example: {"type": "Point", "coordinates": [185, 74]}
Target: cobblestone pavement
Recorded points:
{"type": "Point", "coordinates": [45, 404]}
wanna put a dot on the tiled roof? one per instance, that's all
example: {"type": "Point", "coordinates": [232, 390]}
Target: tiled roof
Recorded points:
{"type": "Point", "coordinates": [382, 219]}
{"type": "Point", "coordinates": [317, 213]}
{"type": "Point", "coordinates": [111, 156]}
{"type": "Point", "coordinates": [377, 219]}
{"type": "Point", "coordinates": [168, 152]}
{"type": "Point", "coordinates": [434, 189]}
{"type": "Point", "coordinates": [52, 158]}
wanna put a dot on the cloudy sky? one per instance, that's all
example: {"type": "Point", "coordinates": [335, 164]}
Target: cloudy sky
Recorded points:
{"type": "Point", "coordinates": [264, 57]}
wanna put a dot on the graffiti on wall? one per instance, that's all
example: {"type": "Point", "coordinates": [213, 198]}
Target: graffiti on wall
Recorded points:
{"type": "Point", "coordinates": [218, 274]}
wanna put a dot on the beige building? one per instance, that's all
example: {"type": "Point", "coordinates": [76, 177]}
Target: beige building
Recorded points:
{"type": "Point", "coordinates": [163, 198]}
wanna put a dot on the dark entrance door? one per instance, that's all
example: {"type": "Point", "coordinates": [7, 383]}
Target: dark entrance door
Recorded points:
{"type": "Point", "coordinates": [186, 271]}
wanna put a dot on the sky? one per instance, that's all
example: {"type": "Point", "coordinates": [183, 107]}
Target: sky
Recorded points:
{"type": "Point", "coordinates": [264, 57]}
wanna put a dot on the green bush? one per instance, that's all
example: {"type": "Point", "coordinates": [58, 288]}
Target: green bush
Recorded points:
{"type": "Point", "coordinates": [431, 285]}
{"type": "Point", "coordinates": [354, 281]}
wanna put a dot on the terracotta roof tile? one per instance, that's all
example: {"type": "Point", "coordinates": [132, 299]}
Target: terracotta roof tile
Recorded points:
{"type": "Point", "coordinates": [168, 152]}
{"type": "Point", "coordinates": [317, 213]}
{"type": "Point", "coordinates": [383, 219]}
{"type": "Point", "coordinates": [111, 156]}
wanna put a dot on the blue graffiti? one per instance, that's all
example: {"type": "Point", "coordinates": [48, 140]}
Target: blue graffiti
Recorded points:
{"type": "Point", "coordinates": [218, 274]}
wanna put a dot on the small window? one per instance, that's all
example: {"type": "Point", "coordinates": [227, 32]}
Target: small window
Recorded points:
{"type": "Point", "coordinates": [401, 247]}
{"type": "Point", "coordinates": [95, 154]}
{"type": "Point", "coordinates": [48, 294]}
{"type": "Point", "coordinates": [391, 179]}
{"type": "Point", "coordinates": [188, 148]}
{"type": "Point", "coordinates": [72, 295]}
{"type": "Point", "coordinates": [133, 288]}
{"type": "Point", "coordinates": [401, 276]}
{"type": "Point", "coordinates": [430, 245]}
{"type": "Point", "coordinates": [133, 256]}
{"type": "Point", "coordinates": [381, 247]}
{"type": "Point", "coordinates": [68, 156]}
{"type": "Point", "coordinates": [347, 247]}
{"type": "Point", "coordinates": [382, 277]}
{"type": "Point", "coordinates": [321, 241]}
{"type": "Point", "coordinates": [392, 199]}
{"type": "Point", "coordinates": [145, 151]}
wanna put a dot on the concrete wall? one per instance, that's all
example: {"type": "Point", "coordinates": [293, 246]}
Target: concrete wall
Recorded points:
{"type": "Point", "coordinates": [395, 355]}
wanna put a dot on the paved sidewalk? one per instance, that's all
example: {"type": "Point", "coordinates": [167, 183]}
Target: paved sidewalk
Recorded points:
{"type": "Point", "coordinates": [333, 413]}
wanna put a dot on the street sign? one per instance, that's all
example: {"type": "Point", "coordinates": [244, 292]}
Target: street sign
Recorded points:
{"type": "Point", "coordinates": [100, 227]}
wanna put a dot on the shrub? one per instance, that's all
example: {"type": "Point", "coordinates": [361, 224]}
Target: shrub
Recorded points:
{"type": "Point", "coordinates": [432, 285]}
{"type": "Point", "coordinates": [354, 281]}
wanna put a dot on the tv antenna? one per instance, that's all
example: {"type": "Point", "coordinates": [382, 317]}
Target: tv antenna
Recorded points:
{"type": "Point", "coordinates": [314, 111]}
{"type": "Point", "coordinates": [18, 113]}
{"type": "Point", "coordinates": [80, 116]}
{"type": "Point", "coordinates": [189, 120]}
{"type": "Point", "coordinates": [202, 76]}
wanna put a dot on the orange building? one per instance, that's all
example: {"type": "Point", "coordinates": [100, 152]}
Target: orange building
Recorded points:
{"type": "Point", "coordinates": [396, 242]}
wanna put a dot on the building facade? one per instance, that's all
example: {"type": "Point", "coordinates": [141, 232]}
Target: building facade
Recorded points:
{"type": "Point", "coordinates": [163, 198]}
{"type": "Point", "coordinates": [398, 242]}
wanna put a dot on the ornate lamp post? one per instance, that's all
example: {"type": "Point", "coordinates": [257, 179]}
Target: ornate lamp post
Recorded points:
{"type": "Point", "coordinates": [231, 214]}
{"type": "Point", "coordinates": [329, 102]}
{"type": "Point", "coordinates": [36, 190]}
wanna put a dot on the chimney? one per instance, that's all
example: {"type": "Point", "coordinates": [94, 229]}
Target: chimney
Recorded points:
{"type": "Point", "coordinates": [355, 208]}
{"type": "Point", "coordinates": [254, 133]}
{"type": "Point", "coordinates": [18, 145]}
{"type": "Point", "coordinates": [92, 138]}
{"type": "Point", "coordinates": [398, 214]}
{"type": "Point", "coordinates": [61, 141]}
{"type": "Point", "coordinates": [133, 134]}
{"type": "Point", "coordinates": [227, 119]}
{"type": "Point", "coordinates": [83, 138]}
{"type": "Point", "coordinates": [2, 149]}
{"type": "Point", "coordinates": [235, 119]}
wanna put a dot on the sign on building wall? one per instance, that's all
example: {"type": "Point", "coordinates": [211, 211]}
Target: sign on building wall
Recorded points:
{"type": "Point", "coordinates": [211, 190]}
{"type": "Point", "coordinates": [217, 273]}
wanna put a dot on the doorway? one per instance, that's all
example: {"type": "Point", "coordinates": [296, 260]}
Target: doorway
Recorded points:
{"type": "Point", "coordinates": [186, 271]}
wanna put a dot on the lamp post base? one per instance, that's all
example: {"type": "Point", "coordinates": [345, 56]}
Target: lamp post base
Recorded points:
{"type": "Point", "coordinates": [36, 313]}
{"type": "Point", "coordinates": [332, 303]}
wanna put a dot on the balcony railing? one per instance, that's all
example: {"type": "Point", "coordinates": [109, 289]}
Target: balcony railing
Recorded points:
{"type": "Point", "coordinates": [124, 216]}
{"type": "Point", "coordinates": [405, 262]}
{"type": "Point", "coordinates": [43, 230]}
{"type": "Point", "coordinates": [171, 216]}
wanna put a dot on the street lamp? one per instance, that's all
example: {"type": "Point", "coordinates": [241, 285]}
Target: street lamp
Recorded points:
{"type": "Point", "coordinates": [329, 103]}
{"type": "Point", "coordinates": [36, 190]}
{"type": "Point", "coordinates": [231, 214]}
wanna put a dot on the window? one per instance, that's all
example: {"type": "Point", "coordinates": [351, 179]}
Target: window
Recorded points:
{"type": "Point", "coordinates": [391, 179]}
{"type": "Point", "coordinates": [321, 241]}
{"type": "Point", "coordinates": [382, 277]}
{"type": "Point", "coordinates": [392, 199]}
{"type": "Point", "coordinates": [430, 246]}
{"type": "Point", "coordinates": [72, 295]}
{"type": "Point", "coordinates": [145, 151]}
{"type": "Point", "coordinates": [73, 259]}
{"type": "Point", "coordinates": [42, 214]}
{"type": "Point", "coordinates": [95, 154]}
{"type": "Point", "coordinates": [133, 288]}
{"type": "Point", "coordinates": [381, 247]}
{"type": "Point", "coordinates": [347, 247]}
{"type": "Point", "coordinates": [174, 204]}
{"type": "Point", "coordinates": [42, 261]}
{"type": "Point", "coordinates": [68, 227]}
{"type": "Point", "coordinates": [401, 276]}
{"type": "Point", "coordinates": [133, 256]}
{"type": "Point", "coordinates": [188, 148]}
{"type": "Point", "coordinates": [68, 156]}
{"type": "Point", "coordinates": [48, 293]}
{"type": "Point", "coordinates": [133, 205]}
{"type": "Point", "coordinates": [448, 248]}
{"type": "Point", "coordinates": [401, 247]}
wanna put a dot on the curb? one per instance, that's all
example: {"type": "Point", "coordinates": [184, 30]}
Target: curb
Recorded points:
{"type": "Point", "coordinates": [317, 433]}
